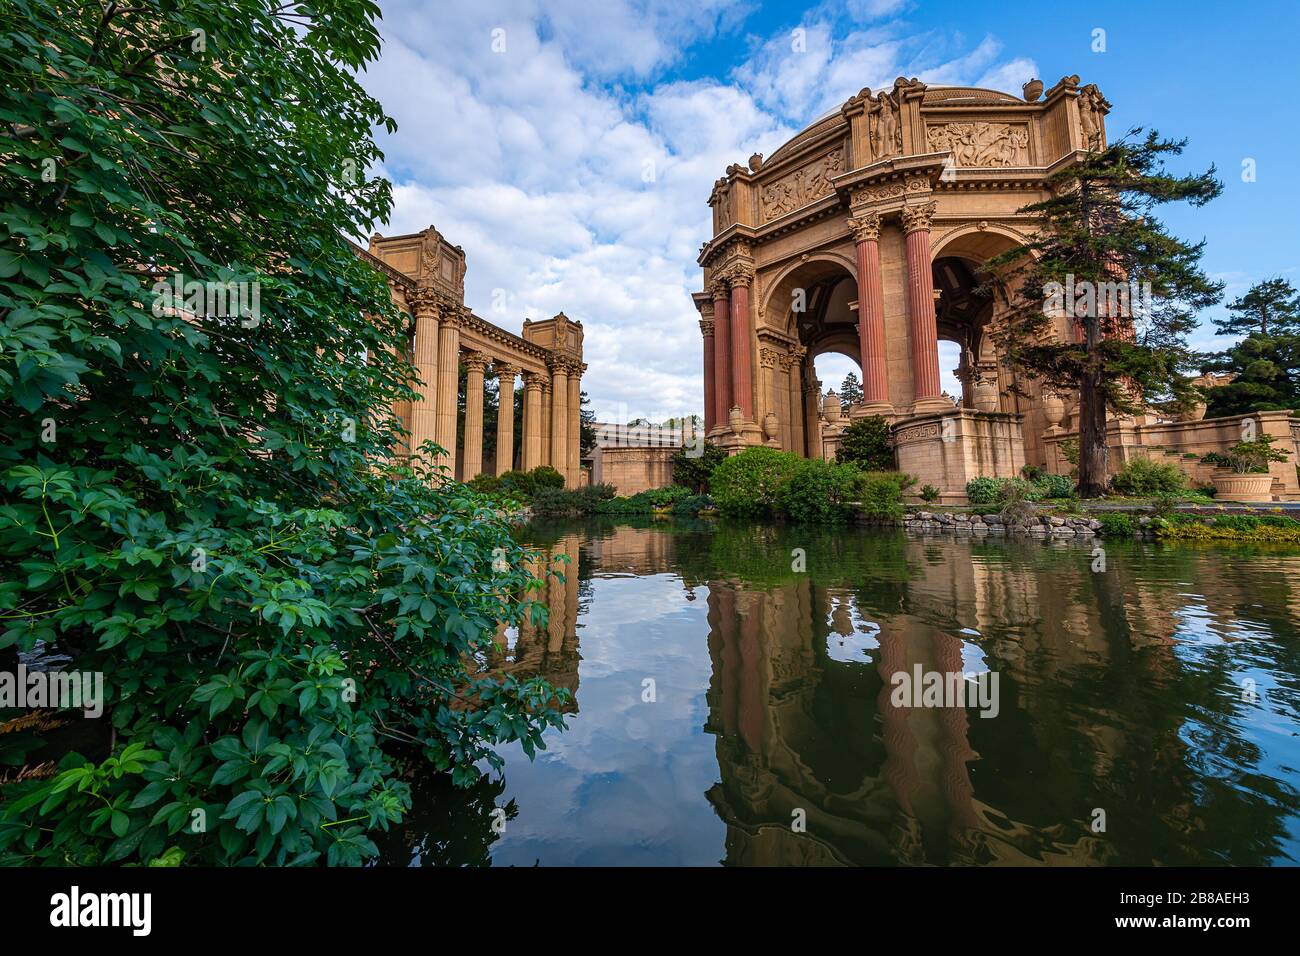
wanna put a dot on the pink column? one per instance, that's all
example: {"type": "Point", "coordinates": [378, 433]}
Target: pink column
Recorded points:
{"type": "Point", "coordinates": [721, 354]}
{"type": "Point", "coordinates": [871, 310]}
{"type": "Point", "coordinates": [710, 386]}
{"type": "Point", "coordinates": [920, 303]}
{"type": "Point", "coordinates": [742, 366]}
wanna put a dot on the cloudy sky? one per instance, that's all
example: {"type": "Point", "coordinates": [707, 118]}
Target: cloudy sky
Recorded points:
{"type": "Point", "coordinates": [570, 145]}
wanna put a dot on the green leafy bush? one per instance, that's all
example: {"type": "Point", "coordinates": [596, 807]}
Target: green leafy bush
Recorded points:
{"type": "Point", "coordinates": [1249, 457]}
{"type": "Point", "coordinates": [984, 491]}
{"type": "Point", "coordinates": [880, 494]}
{"type": "Point", "coordinates": [1142, 476]}
{"type": "Point", "coordinates": [866, 443]}
{"type": "Point", "coordinates": [749, 484]}
{"type": "Point", "coordinates": [1054, 486]}
{"type": "Point", "coordinates": [692, 470]}
{"type": "Point", "coordinates": [221, 528]}
{"type": "Point", "coordinates": [991, 491]}
{"type": "Point", "coordinates": [817, 491]}
{"type": "Point", "coordinates": [586, 500]}
{"type": "Point", "coordinates": [544, 476]}
{"type": "Point", "coordinates": [929, 494]}
{"type": "Point", "coordinates": [1116, 524]}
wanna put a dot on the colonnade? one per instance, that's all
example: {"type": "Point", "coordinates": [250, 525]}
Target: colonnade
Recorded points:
{"type": "Point", "coordinates": [728, 328]}
{"type": "Point", "coordinates": [551, 433]}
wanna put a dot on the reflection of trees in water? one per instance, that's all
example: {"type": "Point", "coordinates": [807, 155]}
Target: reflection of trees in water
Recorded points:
{"type": "Point", "coordinates": [446, 825]}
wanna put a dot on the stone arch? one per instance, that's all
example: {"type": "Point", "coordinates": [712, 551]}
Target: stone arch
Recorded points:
{"type": "Point", "coordinates": [807, 271]}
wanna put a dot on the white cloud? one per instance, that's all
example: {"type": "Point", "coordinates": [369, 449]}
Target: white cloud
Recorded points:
{"type": "Point", "coordinates": [574, 168]}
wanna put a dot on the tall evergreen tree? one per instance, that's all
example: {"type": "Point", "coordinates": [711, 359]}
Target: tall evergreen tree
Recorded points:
{"type": "Point", "coordinates": [1271, 307]}
{"type": "Point", "coordinates": [1265, 365]}
{"type": "Point", "coordinates": [1129, 288]}
{"type": "Point", "coordinates": [850, 390]}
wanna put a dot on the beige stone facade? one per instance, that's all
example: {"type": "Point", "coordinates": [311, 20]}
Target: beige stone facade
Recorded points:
{"type": "Point", "coordinates": [427, 277]}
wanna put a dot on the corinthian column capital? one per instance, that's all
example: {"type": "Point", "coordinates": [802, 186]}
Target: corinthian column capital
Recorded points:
{"type": "Point", "coordinates": [740, 274]}
{"type": "Point", "coordinates": [865, 228]}
{"type": "Point", "coordinates": [474, 361]}
{"type": "Point", "coordinates": [916, 218]}
{"type": "Point", "coordinates": [504, 370]}
{"type": "Point", "coordinates": [426, 303]}
{"type": "Point", "coordinates": [706, 328]}
{"type": "Point", "coordinates": [718, 288]}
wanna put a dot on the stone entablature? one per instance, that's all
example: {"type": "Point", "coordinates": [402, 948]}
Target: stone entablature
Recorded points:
{"type": "Point", "coordinates": [426, 276]}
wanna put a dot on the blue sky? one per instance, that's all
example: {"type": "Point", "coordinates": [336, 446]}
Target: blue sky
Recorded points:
{"type": "Point", "coordinates": [570, 146]}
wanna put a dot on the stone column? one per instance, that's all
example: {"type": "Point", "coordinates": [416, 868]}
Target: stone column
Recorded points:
{"type": "Point", "coordinates": [812, 414]}
{"type": "Point", "coordinates": [710, 388]}
{"type": "Point", "coordinates": [721, 353]}
{"type": "Point", "coordinates": [545, 444]}
{"type": "Point", "coordinates": [475, 364]}
{"type": "Point", "coordinates": [871, 315]}
{"type": "Point", "coordinates": [533, 420]}
{"type": "Point", "coordinates": [920, 307]}
{"type": "Point", "coordinates": [574, 427]}
{"type": "Point", "coordinates": [424, 410]}
{"type": "Point", "coordinates": [560, 419]}
{"type": "Point", "coordinates": [742, 360]}
{"type": "Point", "coordinates": [793, 368]}
{"type": "Point", "coordinates": [448, 372]}
{"type": "Point", "coordinates": [505, 415]}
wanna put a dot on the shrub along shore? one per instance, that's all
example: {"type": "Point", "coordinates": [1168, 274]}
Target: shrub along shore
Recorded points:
{"type": "Point", "coordinates": [770, 485]}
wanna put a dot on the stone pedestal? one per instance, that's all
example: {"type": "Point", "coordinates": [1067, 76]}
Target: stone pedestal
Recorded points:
{"type": "Point", "coordinates": [947, 449]}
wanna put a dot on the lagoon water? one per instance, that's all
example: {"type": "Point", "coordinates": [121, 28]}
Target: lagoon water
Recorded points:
{"type": "Point", "coordinates": [735, 703]}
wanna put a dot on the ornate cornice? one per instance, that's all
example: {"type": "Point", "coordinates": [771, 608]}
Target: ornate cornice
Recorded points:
{"type": "Point", "coordinates": [916, 218]}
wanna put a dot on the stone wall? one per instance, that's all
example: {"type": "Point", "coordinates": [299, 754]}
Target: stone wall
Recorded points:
{"type": "Point", "coordinates": [948, 449]}
{"type": "Point", "coordinates": [631, 470]}
{"type": "Point", "coordinates": [1183, 444]}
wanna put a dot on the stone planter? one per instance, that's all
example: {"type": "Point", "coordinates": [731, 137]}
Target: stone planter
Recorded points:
{"type": "Point", "coordinates": [986, 395]}
{"type": "Point", "coordinates": [736, 420]}
{"type": "Point", "coordinates": [1053, 411]}
{"type": "Point", "coordinates": [1236, 487]}
{"type": "Point", "coordinates": [1193, 414]}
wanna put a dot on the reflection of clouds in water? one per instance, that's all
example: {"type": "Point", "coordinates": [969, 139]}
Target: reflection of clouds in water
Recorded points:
{"type": "Point", "coordinates": [624, 782]}
{"type": "Point", "coordinates": [854, 648]}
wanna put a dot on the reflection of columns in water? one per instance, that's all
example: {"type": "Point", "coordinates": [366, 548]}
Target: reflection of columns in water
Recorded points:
{"type": "Point", "coordinates": [955, 747]}
{"type": "Point", "coordinates": [753, 695]}
{"type": "Point", "coordinates": [900, 745]}
{"type": "Point", "coordinates": [555, 601]}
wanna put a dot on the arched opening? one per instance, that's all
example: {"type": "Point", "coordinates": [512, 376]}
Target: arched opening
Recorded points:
{"type": "Point", "coordinates": [815, 304]}
{"type": "Point", "coordinates": [841, 374]}
{"type": "Point", "coordinates": [963, 309]}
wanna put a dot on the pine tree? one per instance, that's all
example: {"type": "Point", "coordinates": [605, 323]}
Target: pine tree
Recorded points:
{"type": "Point", "coordinates": [850, 390]}
{"type": "Point", "coordinates": [1129, 288]}
{"type": "Point", "coordinates": [1271, 307]}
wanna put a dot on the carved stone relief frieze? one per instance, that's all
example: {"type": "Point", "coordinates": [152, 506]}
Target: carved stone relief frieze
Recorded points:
{"type": "Point", "coordinates": [799, 188]}
{"type": "Point", "coordinates": [982, 144]}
